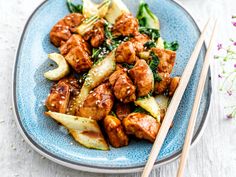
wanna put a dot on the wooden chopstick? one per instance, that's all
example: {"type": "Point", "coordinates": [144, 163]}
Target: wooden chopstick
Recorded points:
{"type": "Point", "coordinates": [196, 104]}
{"type": "Point", "coordinates": [174, 104]}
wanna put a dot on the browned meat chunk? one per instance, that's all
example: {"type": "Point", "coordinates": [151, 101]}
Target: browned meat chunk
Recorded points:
{"type": "Point", "coordinates": [142, 126]}
{"type": "Point", "coordinates": [161, 86]}
{"type": "Point", "coordinates": [58, 98]}
{"type": "Point", "coordinates": [138, 42]}
{"type": "Point", "coordinates": [167, 59]}
{"type": "Point", "coordinates": [61, 32]}
{"type": "Point", "coordinates": [74, 86]}
{"type": "Point", "coordinates": [123, 87]}
{"type": "Point", "coordinates": [143, 77]}
{"type": "Point", "coordinates": [72, 82]}
{"type": "Point", "coordinates": [122, 110]}
{"type": "Point", "coordinates": [113, 78]}
{"type": "Point", "coordinates": [125, 53]}
{"type": "Point", "coordinates": [76, 51]}
{"type": "Point", "coordinates": [74, 41]}
{"type": "Point", "coordinates": [98, 104]}
{"type": "Point", "coordinates": [115, 131]}
{"type": "Point", "coordinates": [173, 85]}
{"type": "Point", "coordinates": [96, 35]}
{"type": "Point", "coordinates": [125, 25]}
{"type": "Point", "coordinates": [79, 59]}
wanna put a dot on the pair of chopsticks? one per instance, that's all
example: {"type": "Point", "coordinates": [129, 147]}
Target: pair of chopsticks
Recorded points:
{"type": "Point", "coordinates": [176, 100]}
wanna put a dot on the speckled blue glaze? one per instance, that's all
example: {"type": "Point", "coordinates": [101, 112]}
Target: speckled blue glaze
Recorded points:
{"type": "Point", "coordinates": [31, 89]}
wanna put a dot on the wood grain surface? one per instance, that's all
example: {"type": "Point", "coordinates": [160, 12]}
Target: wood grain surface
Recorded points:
{"type": "Point", "coordinates": [213, 156]}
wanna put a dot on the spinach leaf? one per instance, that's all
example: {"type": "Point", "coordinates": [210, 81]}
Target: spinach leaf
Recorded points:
{"type": "Point", "coordinates": [150, 44]}
{"type": "Point", "coordinates": [153, 65]}
{"type": "Point", "coordinates": [151, 32]}
{"type": "Point", "coordinates": [74, 8]}
{"type": "Point", "coordinates": [171, 46]}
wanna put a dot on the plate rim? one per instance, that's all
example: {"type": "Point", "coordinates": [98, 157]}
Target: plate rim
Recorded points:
{"type": "Point", "coordinates": [92, 168]}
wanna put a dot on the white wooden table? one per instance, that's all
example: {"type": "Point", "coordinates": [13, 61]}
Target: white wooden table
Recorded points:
{"type": "Point", "coordinates": [213, 156]}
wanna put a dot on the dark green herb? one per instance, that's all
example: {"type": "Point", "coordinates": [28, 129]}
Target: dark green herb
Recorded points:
{"type": "Point", "coordinates": [96, 52]}
{"type": "Point", "coordinates": [107, 28]}
{"type": "Point", "coordinates": [150, 44]}
{"type": "Point", "coordinates": [74, 8]}
{"type": "Point", "coordinates": [171, 46]}
{"type": "Point", "coordinates": [151, 32]}
{"type": "Point", "coordinates": [153, 65]}
{"type": "Point", "coordinates": [113, 113]}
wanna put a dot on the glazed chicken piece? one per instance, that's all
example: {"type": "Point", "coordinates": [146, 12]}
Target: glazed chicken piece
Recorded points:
{"type": "Point", "coordinates": [76, 52]}
{"type": "Point", "coordinates": [160, 87]}
{"type": "Point", "coordinates": [143, 77]}
{"type": "Point", "coordinates": [115, 131]}
{"type": "Point", "coordinates": [123, 87]}
{"type": "Point", "coordinates": [125, 25]}
{"type": "Point", "coordinates": [138, 42]}
{"type": "Point", "coordinates": [74, 41]}
{"type": "Point", "coordinates": [167, 59]}
{"type": "Point", "coordinates": [79, 59]}
{"type": "Point", "coordinates": [73, 84]}
{"type": "Point", "coordinates": [122, 110]}
{"type": "Point", "coordinates": [98, 104]}
{"type": "Point", "coordinates": [63, 30]}
{"type": "Point", "coordinates": [142, 126]}
{"type": "Point", "coordinates": [96, 36]}
{"type": "Point", "coordinates": [58, 98]}
{"type": "Point", "coordinates": [173, 85]}
{"type": "Point", "coordinates": [125, 53]}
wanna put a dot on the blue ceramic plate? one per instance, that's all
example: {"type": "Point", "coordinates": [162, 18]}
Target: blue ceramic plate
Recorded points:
{"type": "Point", "coordinates": [51, 140]}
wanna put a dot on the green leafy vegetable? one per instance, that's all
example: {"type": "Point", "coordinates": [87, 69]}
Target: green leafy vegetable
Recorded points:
{"type": "Point", "coordinates": [150, 44]}
{"type": "Point", "coordinates": [151, 32]}
{"type": "Point", "coordinates": [95, 52]}
{"type": "Point", "coordinates": [153, 65]}
{"type": "Point", "coordinates": [113, 113]}
{"type": "Point", "coordinates": [146, 17]}
{"type": "Point", "coordinates": [171, 46]}
{"type": "Point", "coordinates": [74, 8]}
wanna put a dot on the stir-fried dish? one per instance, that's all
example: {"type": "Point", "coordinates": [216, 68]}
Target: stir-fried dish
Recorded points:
{"type": "Point", "coordinates": [113, 81]}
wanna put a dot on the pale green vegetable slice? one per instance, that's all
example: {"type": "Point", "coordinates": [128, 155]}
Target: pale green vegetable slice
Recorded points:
{"type": "Point", "coordinates": [87, 25]}
{"type": "Point", "coordinates": [96, 75]}
{"type": "Point", "coordinates": [146, 17]}
{"type": "Point", "coordinates": [116, 9]}
{"type": "Point", "coordinates": [160, 43]}
{"type": "Point", "coordinates": [84, 130]}
{"type": "Point", "coordinates": [92, 9]}
{"type": "Point", "coordinates": [150, 105]}
{"type": "Point", "coordinates": [61, 71]}
{"type": "Point", "coordinates": [162, 101]}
